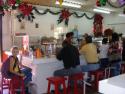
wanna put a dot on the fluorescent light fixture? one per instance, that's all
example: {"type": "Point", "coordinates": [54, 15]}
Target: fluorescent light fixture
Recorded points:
{"type": "Point", "coordinates": [121, 15]}
{"type": "Point", "coordinates": [105, 8]}
{"type": "Point", "coordinates": [101, 11]}
{"type": "Point", "coordinates": [70, 4]}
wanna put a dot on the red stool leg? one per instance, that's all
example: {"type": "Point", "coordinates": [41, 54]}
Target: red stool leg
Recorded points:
{"type": "Point", "coordinates": [48, 91]}
{"type": "Point", "coordinates": [68, 88]}
{"type": "Point", "coordinates": [2, 86]}
{"type": "Point", "coordinates": [23, 87]}
{"type": "Point", "coordinates": [75, 87]}
{"type": "Point", "coordinates": [64, 88]}
{"type": "Point", "coordinates": [56, 88]}
{"type": "Point", "coordinates": [97, 78]}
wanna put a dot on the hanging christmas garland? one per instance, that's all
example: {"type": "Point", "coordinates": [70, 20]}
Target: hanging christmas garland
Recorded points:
{"type": "Point", "coordinates": [25, 11]}
{"type": "Point", "coordinates": [64, 14]}
{"type": "Point", "coordinates": [46, 11]}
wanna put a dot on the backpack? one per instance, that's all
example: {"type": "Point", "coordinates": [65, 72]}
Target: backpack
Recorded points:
{"type": "Point", "coordinates": [6, 66]}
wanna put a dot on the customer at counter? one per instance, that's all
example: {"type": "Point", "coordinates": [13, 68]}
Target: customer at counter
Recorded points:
{"type": "Point", "coordinates": [68, 40]}
{"type": "Point", "coordinates": [69, 54]}
{"type": "Point", "coordinates": [103, 55]}
{"type": "Point", "coordinates": [89, 51]}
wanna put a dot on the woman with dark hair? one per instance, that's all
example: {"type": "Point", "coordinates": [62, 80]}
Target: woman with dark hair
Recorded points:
{"type": "Point", "coordinates": [123, 50]}
{"type": "Point", "coordinates": [115, 55]}
{"type": "Point", "coordinates": [103, 49]}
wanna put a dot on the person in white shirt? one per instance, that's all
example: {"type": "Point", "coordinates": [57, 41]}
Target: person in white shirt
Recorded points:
{"type": "Point", "coordinates": [104, 53]}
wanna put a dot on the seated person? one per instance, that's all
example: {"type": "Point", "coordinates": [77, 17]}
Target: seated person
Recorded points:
{"type": "Point", "coordinates": [69, 54]}
{"type": "Point", "coordinates": [12, 68]}
{"type": "Point", "coordinates": [104, 53]}
{"type": "Point", "coordinates": [89, 51]}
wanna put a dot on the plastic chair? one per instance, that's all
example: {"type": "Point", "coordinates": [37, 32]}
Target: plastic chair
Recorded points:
{"type": "Point", "coordinates": [5, 84]}
{"type": "Point", "coordinates": [98, 74]}
{"type": "Point", "coordinates": [17, 84]}
{"type": "Point", "coordinates": [75, 78]}
{"type": "Point", "coordinates": [56, 81]}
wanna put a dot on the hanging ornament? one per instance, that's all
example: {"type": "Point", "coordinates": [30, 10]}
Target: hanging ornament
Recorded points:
{"type": "Point", "coordinates": [101, 2]}
{"type": "Point", "coordinates": [98, 3]}
{"type": "Point", "coordinates": [25, 9]}
{"type": "Point", "coordinates": [60, 2]}
{"type": "Point", "coordinates": [65, 14]}
{"type": "Point", "coordinates": [97, 25]}
{"type": "Point", "coordinates": [11, 2]}
{"type": "Point", "coordinates": [18, 1]}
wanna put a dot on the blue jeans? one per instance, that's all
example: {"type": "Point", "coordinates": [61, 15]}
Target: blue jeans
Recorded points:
{"type": "Point", "coordinates": [104, 62]}
{"type": "Point", "coordinates": [28, 74]}
{"type": "Point", "coordinates": [116, 68]}
{"type": "Point", "coordinates": [67, 72]}
{"type": "Point", "coordinates": [90, 67]}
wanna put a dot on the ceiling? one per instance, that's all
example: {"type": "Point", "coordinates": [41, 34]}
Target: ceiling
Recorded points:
{"type": "Point", "coordinates": [87, 5]}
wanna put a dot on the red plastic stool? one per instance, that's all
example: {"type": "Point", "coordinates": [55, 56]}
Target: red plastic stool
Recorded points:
{"type": "Point", "coordinates": [75, 78]}
{"type": "Point", "coordinates": [56, 81]}
{"type": "Point", "coordinates": [17, 83]}
{"type": "Point", "coordinates": [122, 68]}
{"type": "Point", "coordinates": [98, 74]}
{"type": "Point", "coordinates": [5, 84]}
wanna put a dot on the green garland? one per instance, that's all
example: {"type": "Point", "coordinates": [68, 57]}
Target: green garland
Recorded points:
{"type": "Point", "coordinates": [45, 11]}
{"type": "Point", "coordinates": [58, 12]}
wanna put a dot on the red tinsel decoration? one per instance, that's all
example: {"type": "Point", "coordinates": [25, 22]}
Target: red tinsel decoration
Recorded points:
{"type": "Point", "coordinates": [25, 9]}
{"type": "Point", "coordinates": [11, 2]}
{"type": "Point", "coordinates": [98, 28]}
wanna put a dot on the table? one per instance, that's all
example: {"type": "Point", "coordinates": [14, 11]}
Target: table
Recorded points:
{"type": "Point", "coordinates": [114, 85]}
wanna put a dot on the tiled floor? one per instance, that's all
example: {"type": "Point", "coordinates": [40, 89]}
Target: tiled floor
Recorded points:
{"type": "Point", "coordinates": [89, 90]}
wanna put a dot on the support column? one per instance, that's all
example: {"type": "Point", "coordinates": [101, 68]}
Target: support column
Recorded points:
{"type": "Point", "coordinates": [1, 37]}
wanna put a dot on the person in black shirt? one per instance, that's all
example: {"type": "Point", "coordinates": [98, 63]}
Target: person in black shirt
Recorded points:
{"type": "Point", "coordinates": [69, 54]}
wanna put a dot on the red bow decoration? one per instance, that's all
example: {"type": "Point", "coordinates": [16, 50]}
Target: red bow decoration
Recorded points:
{"type": "Point", "coordinates": [25, 9]}
{"type": "Point", "coordinates": [65, 14]}
{"type": "Point", "coordinates": [11, 2]}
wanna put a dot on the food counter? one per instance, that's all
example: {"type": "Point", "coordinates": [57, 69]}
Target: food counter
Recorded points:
{"type": "Point", "coordinates": [114, 85]}
{"type": "Point", "coordinates": [43, 68]}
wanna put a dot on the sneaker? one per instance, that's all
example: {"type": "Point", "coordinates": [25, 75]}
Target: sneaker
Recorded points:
{"type": "Point", "coordinates": [52, 92]}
